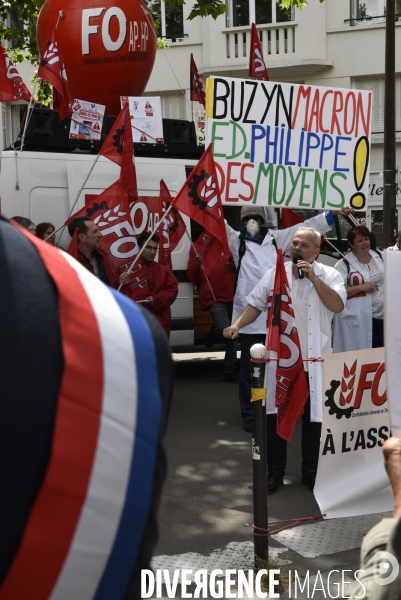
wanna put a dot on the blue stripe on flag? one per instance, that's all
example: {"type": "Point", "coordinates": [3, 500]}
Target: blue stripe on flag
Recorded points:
{"type": "Point", "coordinates": [135, 513]}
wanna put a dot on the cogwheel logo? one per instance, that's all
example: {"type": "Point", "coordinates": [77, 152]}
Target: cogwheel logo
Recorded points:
{"type": "Point", "coordinates": [203, 190]}
{"type": "Point", "coordinates": [343, 408]}
{"type": "Point", "coordinates": [96, 207]}
{"type": "Point", "coordinates": [117, 139]}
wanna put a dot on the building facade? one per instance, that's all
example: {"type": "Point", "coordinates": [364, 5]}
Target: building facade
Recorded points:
{"type": "Point", "coordinates": [337, 43]}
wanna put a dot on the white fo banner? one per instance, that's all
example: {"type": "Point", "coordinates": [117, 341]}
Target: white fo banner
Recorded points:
{"type": "Point", "coordinates": [351, 478]}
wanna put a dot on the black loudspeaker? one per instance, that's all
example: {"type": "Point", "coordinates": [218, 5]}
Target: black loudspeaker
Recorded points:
{"type": "Point", "coordinates": [108, 122]}
{"type": "Point", "coordinates": [45, 123]}
{"type": "Point", "coordinates": [179, 133]}
{"type": "Point", "coordinates": [45, 132]}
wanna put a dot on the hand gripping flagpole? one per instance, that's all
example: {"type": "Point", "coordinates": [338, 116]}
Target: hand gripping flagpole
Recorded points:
{"type": "Point", "coordinates": [143, 247]}
{"type": "Point", "coordinates": [259, 452]}
{"type": "Point", "coordinates": [203, 269]}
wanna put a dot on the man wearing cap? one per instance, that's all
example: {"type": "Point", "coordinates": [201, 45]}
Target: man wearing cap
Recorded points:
{"type": "Point", "coordinates": [254, 249]}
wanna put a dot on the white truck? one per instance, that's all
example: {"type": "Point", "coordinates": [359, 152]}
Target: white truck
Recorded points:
{"type": "Point", "coordinates": [44, 186]}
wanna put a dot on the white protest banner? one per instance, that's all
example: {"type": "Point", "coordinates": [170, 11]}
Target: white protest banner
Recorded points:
{"type": "Point", "coordinates": [351, 478]}
{"type": "Point", "coordinates": [288, 145]}
{"type": "Point", "coordinates": [146, 118]}
{"type": "Point", "coordinates": [86, 120]}
{"type": "Point", "coordinates": [200, 126]}
{"type": "Point", "coordinates": [392, 295]}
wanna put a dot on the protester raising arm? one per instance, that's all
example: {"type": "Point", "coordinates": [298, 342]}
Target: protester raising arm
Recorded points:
{"type": "Point", "coordinates": [322, 223]}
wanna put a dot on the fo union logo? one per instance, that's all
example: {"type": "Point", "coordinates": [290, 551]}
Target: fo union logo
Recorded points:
{"type": "Point", "coordinates": [348, 395]}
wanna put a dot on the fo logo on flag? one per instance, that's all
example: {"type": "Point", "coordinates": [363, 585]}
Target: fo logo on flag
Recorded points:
{"type": "Point", "coordinates": [203, 193]}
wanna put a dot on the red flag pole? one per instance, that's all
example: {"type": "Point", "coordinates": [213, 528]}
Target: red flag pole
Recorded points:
{"type": "Point", "coordinates": [143, 247]}
{"type": "Point", "coordinates": [203, 269]}
{"type": "Point", "coordinates": [75, 203]}
{"type": "Point", "coordinates": [28, 114]}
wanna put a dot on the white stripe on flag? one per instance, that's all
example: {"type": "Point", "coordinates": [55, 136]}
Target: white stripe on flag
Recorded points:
{"type": "Point", "coordinates": [98, 524]}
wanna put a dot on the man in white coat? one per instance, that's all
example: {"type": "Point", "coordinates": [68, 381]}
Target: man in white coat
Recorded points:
{"type": "Point", "coordinates": [254, 250]}
{"type": "Point", "coordinates": [315, 298]}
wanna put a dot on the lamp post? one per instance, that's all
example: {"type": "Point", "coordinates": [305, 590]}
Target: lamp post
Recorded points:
{"type": "Point", "coordinates": [389, 170]}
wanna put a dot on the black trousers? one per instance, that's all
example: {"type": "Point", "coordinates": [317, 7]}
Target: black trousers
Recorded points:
{"type": "Point", "coordinates": [277, 447]}
{"type": "Point", "coordinates": [377, 333]}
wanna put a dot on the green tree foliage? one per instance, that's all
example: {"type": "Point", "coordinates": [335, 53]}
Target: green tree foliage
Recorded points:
{"type": "Point", "coordinates": [296, 3]}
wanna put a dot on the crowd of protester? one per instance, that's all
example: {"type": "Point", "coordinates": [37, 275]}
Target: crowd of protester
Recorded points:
{"type": "Point", "coordinates": [343, 305]}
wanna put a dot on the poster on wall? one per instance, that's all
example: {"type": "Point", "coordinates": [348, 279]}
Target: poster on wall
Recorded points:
{"type": "Point", "coordinates": [146, 118]}
{"type": "Point", "coordinates": [288, 145]}
{"type": "Point", "coordinates": [351, 478]}
{"type": "Point", "coordinates": [200, 126]}
{"type": "Point", "coordinates": [86, 120]}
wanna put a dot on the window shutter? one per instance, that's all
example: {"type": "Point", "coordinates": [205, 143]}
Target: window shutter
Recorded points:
{"type": "Point", "coordinates": [173, 105]}
{"type": "Point", "coordinates": [376, 86]}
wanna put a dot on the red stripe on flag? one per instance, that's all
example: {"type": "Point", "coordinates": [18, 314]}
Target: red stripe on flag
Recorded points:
{"type": "Point", "coordinates": [55, 513]}
{"type": "Point", "coordinates": [291, 384]}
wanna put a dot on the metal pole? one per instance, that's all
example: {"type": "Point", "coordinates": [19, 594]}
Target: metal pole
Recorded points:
{"type": "Point", "coordinates": [203, 269]}
{"type": "Point", "coordinates": [389, 171]}
{"type": "Point", "coordinates": [259, 455]}
{"type": "Point", "coordinates": [143, 247]}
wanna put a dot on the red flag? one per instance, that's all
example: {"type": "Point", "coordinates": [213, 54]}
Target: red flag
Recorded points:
{"type": "Point", "coordinates": [52, 70]}
{"type": "Point", "coordinates": [257, 67]}
{"type": "Point", "coordinates": [11, 85]}
{"type": "Point", "coordinates": [73, 247]}
{"type": "Point", "coordinates": [111, 213]}
{"type": "Point", "coordinates": [199, 198]}
{"type": "Point", "coordinates": [173, 226]}
{"type": "Point", "coordinates": [196, 86]}
{"type": "Point", "coordinates": [57, 100]}
{"type": "Point", "coordinates": [119, 147]}
{"type": "Point", "coordinates": [291, 385]}
{"type": "Point", "coordinates": [211, 255]}
{"type": "Point", "coordinates": [289, 218]}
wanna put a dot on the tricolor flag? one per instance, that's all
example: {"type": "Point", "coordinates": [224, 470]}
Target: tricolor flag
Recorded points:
{"type": "Point", "coordinates": [51, 69]}
{"type": "Point", "coordinates": [82, 537]}
{"type": "Point", "coordinates": [199, 199]}
{"type": "Point", "coordinates": [257, 67]}
{"type": "Point", "coordinates": [12, 86]}
{"type": "Point", "coordinates": [291, 384]}
{"type": "Point", "coordinates": [197, 91]}
{"type": "Point", "coordinates": [119, 147]}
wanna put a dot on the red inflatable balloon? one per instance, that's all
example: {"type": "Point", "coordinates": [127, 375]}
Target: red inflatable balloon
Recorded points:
{"type": "Point", "coordinates": [108, 47]}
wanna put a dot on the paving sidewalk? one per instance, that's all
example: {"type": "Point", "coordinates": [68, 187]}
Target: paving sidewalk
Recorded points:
{"type": "Point", "coordinates": [206, 512]}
